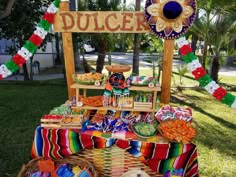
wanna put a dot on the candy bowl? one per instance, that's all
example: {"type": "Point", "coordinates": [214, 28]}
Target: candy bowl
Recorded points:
{"type": "Point", "coordinates": [144, 130]}
{"type": "Point", "coordinates": [87, 78]}
{"type": "Point", "coordinates": [178, 130]}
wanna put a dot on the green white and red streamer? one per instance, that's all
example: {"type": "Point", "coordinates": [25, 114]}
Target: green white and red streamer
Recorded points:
{"type": "Point", "coordinates": [31, 45]}
{"type": "Point", "coordinates": [201, 75]}
{"type": "Point", "coordinates": [42, 28]}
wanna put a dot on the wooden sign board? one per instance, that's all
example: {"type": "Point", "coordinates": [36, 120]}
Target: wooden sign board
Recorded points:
{"type": "Point", "coordinates": [100, 22]}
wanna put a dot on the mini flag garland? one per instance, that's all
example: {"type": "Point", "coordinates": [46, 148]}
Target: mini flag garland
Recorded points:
{"type": "Point", "coordinates": [201, 75]}
{"type": "Point", "coordinates": [31, 45]}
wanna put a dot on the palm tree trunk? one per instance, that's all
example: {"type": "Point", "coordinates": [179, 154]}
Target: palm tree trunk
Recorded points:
{"type": "Point", "coordinates": [204, 54]}
{"type": "Point", "coordinates": [136, 45]}
{"type": "Point", "coordinates": [26, 74]}
{"type": "Point", "coordinates": [215, 67]}
{"type": "Point", "coordinates": [101, 55]}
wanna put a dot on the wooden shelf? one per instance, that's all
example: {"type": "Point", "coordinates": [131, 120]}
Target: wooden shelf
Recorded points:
{"type": "Point", "coordinates": [93, 87]}
{"type": "Point", "coordinates": [116, 108]}
{"type": "Point", "coordinates": [83, 87]}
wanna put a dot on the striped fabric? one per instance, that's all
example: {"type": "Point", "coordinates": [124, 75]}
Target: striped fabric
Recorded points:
{"type": "Point", "coordinates": [58, 143]}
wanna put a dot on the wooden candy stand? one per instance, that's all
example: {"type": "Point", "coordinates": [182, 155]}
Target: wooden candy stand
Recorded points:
{"type": "Point", "coordinates": [117, 153]}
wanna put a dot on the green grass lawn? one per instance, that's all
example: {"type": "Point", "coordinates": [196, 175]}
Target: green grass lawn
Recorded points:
{"type": "Point", "coordinates": [22, 104]}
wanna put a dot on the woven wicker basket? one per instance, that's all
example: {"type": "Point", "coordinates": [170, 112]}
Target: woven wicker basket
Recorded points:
{"type": "Point", "coordinates": [75, 160]}
{"type": "Point", "coordinates": [114, 162]}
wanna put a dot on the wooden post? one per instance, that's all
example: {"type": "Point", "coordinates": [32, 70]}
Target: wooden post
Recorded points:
{"type": "Point", "coordinates": [167, 70]}
{"type": "Point", "coordinates": [68, 53]}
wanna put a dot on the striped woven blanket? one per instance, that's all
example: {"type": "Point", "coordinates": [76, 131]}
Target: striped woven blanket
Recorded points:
{"type": "Point", "coordinates": [59, 143]}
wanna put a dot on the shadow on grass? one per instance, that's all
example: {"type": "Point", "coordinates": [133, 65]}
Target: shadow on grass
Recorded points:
{"type": "Point", "coordinates": [215, 138]}
{"type": "Point", "coordinates": [216, 118]}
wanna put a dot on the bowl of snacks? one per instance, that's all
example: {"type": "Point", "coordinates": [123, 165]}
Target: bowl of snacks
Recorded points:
{"type": "Point", "coordinates": [118, 68]}
{"type": "Point", "coordinates": [87, 78]}
{"type": "Point", "coordinates": [144, 130]}
{"type": "Point", "coordinates": [178, 130]}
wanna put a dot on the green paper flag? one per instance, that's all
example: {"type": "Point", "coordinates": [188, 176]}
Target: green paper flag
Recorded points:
{"type": "Point", "coordinates": [206, 79]}
{"type": "Point", "coordinates": [228, 99]}
{"type": "Point", "coordinates": [44, 24]}
{"type": "Point", "coordinates": [30, 47]}
{"type": "Point", "coordinates": [11, 65]}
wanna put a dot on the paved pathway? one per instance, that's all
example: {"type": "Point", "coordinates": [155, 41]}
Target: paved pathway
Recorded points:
{"type": "Point", "coordinates": [121, 58]}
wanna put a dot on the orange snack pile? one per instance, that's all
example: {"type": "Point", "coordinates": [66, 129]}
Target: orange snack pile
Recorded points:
{"type": "Point", "coordinates": [89, 76]}
{"type": "Point", "coordinates": [93, 101]}
{"type": "Point", "coordinates": [177, 130]}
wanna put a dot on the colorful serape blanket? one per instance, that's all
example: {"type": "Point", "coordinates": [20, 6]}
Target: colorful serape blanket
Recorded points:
{"type": "Point", "coordinates": [59, 143]}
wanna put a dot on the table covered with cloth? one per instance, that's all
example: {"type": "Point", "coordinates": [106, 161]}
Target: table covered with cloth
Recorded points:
{"type": "Point", "coordinates": [160, 157]}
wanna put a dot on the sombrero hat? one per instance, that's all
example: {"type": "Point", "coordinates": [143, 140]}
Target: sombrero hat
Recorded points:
{"type": "Point", "coordinates": [169, 19]}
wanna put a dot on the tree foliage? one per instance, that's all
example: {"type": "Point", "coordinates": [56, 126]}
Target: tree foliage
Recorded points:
{"type": "Point", "coordinates": [20, 24]}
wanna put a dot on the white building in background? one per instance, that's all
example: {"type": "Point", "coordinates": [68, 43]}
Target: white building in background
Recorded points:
{"type": "Point", "coordinates": [46, 58]}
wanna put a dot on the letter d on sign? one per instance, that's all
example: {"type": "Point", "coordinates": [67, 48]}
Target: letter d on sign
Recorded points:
{"type": "Point", "coordinates": [68, 21]}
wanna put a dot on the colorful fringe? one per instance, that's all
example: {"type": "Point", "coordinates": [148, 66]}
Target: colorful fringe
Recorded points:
{"type": "Point", "coordinates": [58, 143]}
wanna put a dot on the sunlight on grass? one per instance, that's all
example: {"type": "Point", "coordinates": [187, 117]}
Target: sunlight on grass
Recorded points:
{"type": "Point", "coordinates": [22, 104]}
{"type": "Point", "coordinates": [216, 134]}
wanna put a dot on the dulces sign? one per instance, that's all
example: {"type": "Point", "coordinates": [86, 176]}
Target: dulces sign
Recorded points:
{"type": "Point", "coordinates": [100, 22]}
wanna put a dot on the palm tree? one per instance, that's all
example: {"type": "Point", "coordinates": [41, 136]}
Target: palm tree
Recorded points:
{"type": "Point", "coordinates": [222, 33]}
{"type": "Point", "coordinates": [136, 45]}
{"type": "Point", "coordinates": [212, 28]}
{"type": "Point", "coordinates": [104, 42]}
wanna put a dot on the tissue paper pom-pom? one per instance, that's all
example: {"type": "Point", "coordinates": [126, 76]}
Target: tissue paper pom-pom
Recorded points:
{"type": "Point", "coordinates": [211, 87]}
{"type": "Point", "coordinates": [204, 80]}
{"type": "Point", "coordinates": [181, 42]}
{"type": "Point", "coordinates": [184, 50]}
{"type": "Point", "coordinates": [31, 47]}
{"type": "Point", "coordinates": [44, 24]}
{"type": "Point", "coordinates": [24, 53]}
{"type": "Point", "coordinates": [234, 104]}
{"type": "Point", "coordinates": [12, 66]}
{"type": "Point", "coordinates": [40, 32]}
{"type": "Point", "coordinates": [219, 93]}
{"type": "Point", "coordinates": [36, 40]}
{"type": "Point", "coordinates": [228, 99]}
{"type": "Point", "coordinates": [193, 65]}
{"type": "Point", "coordinates": [49, 17]}
{"type": "Point", "coordinates": [52, 9]}
{"type": "Point", "coordinates": [189, 57]}
{"type": "Point", "coordinates": [199, 72]}
{"type": "Point", "coordinates": [18, 59]}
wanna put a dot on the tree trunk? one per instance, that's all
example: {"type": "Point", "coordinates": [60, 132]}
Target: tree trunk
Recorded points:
{"type": "Point", "coordinates": [194, 43]}
{"type": "Point", "coordinates": [136, 45]}
{"type": "Point", "coordinates": [101, 55]}
{"type": "Point", "coordinates": [204, 54]}
{"type": "Point", "coordinates": [57, 41]}
{"type": "Point", "coordinates": [215, 67]}
{"type": "Point", "coordinates": [26, 74]}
